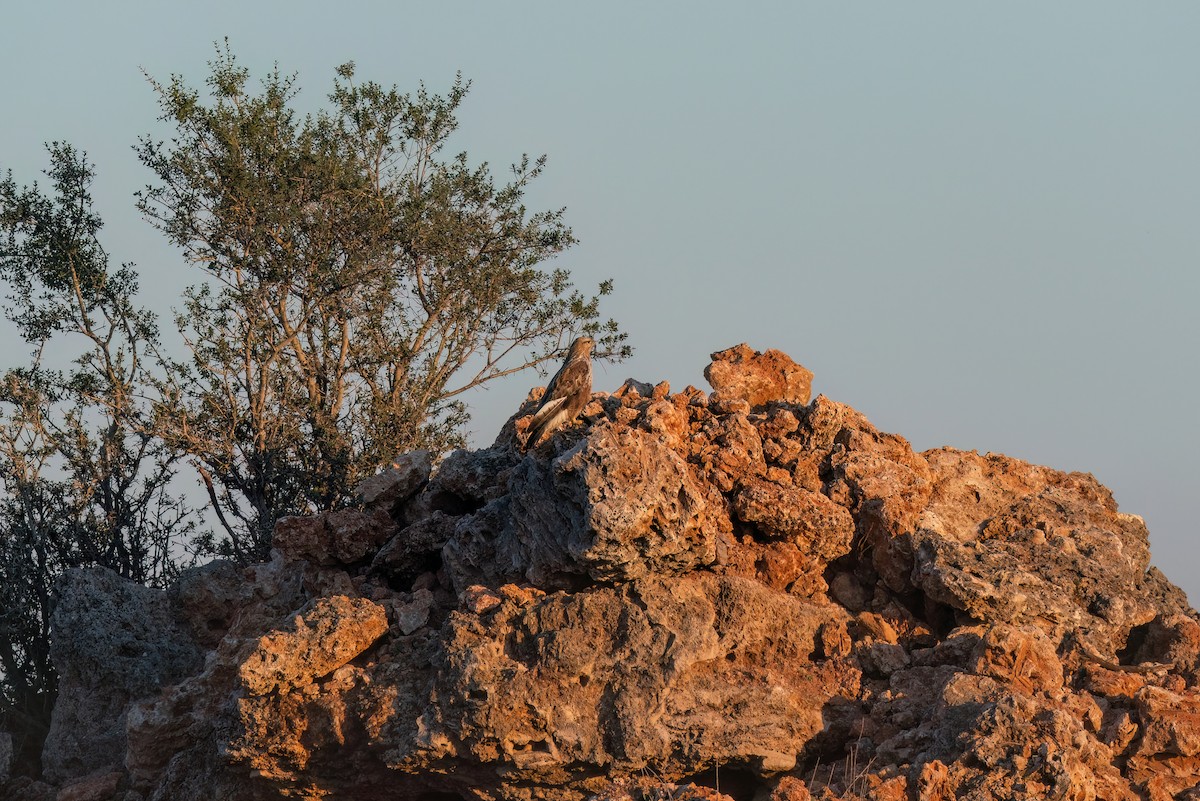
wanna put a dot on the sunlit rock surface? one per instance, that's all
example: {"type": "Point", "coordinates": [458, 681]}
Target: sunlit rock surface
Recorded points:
{"type": "Point", "coordinates": [748, 594]}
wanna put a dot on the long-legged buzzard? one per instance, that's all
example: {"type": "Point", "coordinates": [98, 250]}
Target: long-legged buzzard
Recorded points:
{"type": "Point", "coordinates": [566, 395]}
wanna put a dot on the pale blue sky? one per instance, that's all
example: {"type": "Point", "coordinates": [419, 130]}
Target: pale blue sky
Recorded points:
{"type": "Point", "coordinates": [974, 222]}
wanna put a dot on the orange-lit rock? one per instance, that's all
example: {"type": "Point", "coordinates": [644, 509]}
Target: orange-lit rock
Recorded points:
{"type": "Point", "coordinates": [751, 591]}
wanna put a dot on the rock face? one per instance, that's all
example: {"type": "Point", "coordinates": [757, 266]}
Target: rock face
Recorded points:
{"type": "Point", "coordinates": [114, 642]}
{"type": "Point", "coordinates": [6, 755]}
{"type": "Point", "coordinates": [751, 592]}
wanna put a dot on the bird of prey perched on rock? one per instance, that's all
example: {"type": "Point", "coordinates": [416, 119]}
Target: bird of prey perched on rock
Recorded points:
{"type": "Point", "coordinates": [566, 395]}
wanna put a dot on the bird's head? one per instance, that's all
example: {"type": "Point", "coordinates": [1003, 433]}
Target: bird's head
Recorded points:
{"type": "Point", "coordinates": [582, 346]}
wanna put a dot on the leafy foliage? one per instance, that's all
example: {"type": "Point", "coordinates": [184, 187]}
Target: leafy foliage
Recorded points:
{"type": "Point", "coordinates": [86, 481]}
{"type": "Point", "coordinates": [356, 283]}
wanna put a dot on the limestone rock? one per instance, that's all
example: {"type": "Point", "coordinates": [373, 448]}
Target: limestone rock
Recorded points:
{"type": "Point", "coordinates": [323, 636]}
{"type": "Point", "coordinates": [464, 481]}
{"type": "Point", "coordinates": [1032, 546]}
{"type": "Point", "coordinates": [345, 536]}
{"type": "Point", "coordinates": [396, 483]}
{"type": "Point", "coordinates": [618, 506]}
{"type": "Point", "coordinates": [818, 525]}
{"type": "Point", "coordinates": [416, 547]}
{"type": "Point", "coordinates": [114, 642]}
{"type": "Point", "coordinates": [751, 591]}
{"type": "Point", "coordinates": [97, 787]}
{"type": "Point", "coordinates": [758, 378]}
{"type": "Point", "coordinates": [207, 598]}
{"type": "Point", "coordinates": [646, 787]}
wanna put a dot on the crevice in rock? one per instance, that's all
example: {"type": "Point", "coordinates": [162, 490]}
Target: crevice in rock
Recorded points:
{"type": "Point", "coordinates": [402, 580]}
{"type": "Point", "coordinates": [848, 586]}
{"type": "Point", "coordinates": [453, 504]}
{"type": "Point", "coordinates": [941, 618]}
{"type": "Point", "coordinates": [1129, 655]}
{"type": "Point", "coordinates": [737, 782]}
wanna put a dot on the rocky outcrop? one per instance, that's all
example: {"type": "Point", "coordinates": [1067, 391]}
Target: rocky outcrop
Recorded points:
{"type": "Point", "coordinates": [747, 594]}
{"type": "Point", "coordinates": [114, 642]}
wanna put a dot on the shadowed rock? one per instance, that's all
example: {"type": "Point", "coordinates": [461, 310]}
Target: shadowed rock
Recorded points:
{"type": "Point", "coordinates": [114, 642]}
{"type": "Point", "coordinates": [753, 589]}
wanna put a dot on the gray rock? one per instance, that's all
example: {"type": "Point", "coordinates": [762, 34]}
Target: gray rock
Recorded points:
{"type": "Point", "coordinates": [6, 755]}
{"type": "Point", "coordinates": [398, 482]}
{"type": "Point", "coordinates": [618, 506]}
{"type": "Point", "coordinates": [415, 548]}
{"type": "Point", "coordinates": [113, 642]}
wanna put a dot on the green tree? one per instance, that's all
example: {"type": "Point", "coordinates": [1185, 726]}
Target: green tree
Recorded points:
{"type": "Point", "coordinates": [86, 482]}
{"type": "Point", "coordinates": [34, 550]}
{"type": "Point", "coordinates": [357, 282]}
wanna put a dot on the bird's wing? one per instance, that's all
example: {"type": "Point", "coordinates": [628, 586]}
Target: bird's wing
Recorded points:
{"type": "Point", "coordinates": [548, 407]}
{"type": "Point", "coordinates": [548, 424]}
{"type": "Point", "coordinates": [552, 388]}
{"type": "Point", "coordinates": [565, 381]}
{"type": "Point", "coordinates": [573, 377]}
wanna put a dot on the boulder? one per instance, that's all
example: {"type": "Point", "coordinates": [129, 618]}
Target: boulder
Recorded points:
{"type": "Point", "coordinates": [397, 482]}
{"type": "Point", "coordinates": [113, 643]}
{"type": "Point", "coordinates": [758, 378]}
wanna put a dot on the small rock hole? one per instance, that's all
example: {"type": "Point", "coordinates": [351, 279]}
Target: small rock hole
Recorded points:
{"type": "Point", "coordinates": [1133, 643]}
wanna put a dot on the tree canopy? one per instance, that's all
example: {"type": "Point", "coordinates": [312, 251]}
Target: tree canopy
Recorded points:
{"type": "Point", "coordinates": [357, 282]}
{"type": "Point", "coordinates": [85, 479]}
